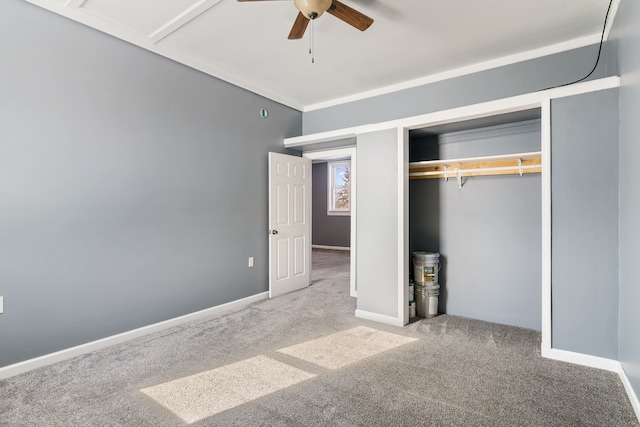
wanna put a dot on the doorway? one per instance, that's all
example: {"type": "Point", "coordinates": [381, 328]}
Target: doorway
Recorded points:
{"type": "Point", "coordinates": [330, 156]}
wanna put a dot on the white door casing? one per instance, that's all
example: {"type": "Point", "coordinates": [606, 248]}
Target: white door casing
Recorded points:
{"type": "Point", "coordinates": [343, 153]}
{"type": "Point", "coordinates": [289, 223]}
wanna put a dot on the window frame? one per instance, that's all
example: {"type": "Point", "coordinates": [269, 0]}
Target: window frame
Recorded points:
{"type": "Point", "coordinates": [331, 171]}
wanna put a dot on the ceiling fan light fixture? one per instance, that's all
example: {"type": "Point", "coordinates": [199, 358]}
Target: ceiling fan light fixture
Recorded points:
{"type": "Point", "coordinates": [312, 9]}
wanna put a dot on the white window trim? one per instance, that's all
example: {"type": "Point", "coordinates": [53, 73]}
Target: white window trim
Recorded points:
{"type": "Point", "coordinates": [330, 174]}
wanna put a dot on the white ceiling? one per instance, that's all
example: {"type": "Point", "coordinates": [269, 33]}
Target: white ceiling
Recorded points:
{"type": "Point", "coordinates": [410, 41]}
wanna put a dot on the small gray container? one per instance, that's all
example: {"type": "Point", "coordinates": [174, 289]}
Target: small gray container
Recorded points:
{"type": "Point", "coordinates": [426, 298]}
{"type": "Point", "coordinates": [426, 266]}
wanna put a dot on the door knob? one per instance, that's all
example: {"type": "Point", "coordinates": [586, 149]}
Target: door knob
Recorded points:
{"type": "Point", "coordinates": [272, 232]}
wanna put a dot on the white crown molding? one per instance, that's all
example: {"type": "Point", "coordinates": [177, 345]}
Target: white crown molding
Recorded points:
{"type": "Point", "coordinates": [144, 41]}
{"type": "Point", "coordinates": [73, 9]}
{"type": "Point", "coordinates": [481, 66]}
{"type": "Point", "coordinates": [458, 72]}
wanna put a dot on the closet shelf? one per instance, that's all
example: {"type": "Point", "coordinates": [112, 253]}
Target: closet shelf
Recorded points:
{"type": "Point", "coordinates": [509, 164]}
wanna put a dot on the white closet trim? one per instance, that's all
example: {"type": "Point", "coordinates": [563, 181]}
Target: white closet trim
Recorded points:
{"type": "Point", "coordinates": [541, 100]}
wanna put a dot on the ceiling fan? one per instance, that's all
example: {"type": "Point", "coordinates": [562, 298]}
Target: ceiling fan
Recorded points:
{"type": "Point", "coordinates": [312, 9]}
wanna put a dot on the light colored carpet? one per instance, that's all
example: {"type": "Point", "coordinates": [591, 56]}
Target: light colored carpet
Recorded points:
{"type": "Point", "coordinates": [303, 359]}
{"type": "Point", "coordinates": [345, 348]}
{"type": "Point", "coordinates": [199, 396]}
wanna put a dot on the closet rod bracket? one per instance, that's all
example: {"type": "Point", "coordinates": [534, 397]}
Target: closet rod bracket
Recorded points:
{"type": "Point", "coordinates": [459, 177]}
{"type": "Point", "coordinates": [520, 169]}
{"type": "Point", "coordinates": [446, 173]}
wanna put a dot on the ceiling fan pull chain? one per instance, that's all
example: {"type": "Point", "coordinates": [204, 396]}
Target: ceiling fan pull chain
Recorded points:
{"type": "Point", "coordinates": [312, 41]}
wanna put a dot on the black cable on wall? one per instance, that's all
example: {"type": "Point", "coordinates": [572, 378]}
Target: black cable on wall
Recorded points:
{"type": "Point", "coordinates": [606, 17]}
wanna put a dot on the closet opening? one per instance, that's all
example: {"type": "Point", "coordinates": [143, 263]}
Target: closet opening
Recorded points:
{"type": "Point", "coordinates": [475, 198]}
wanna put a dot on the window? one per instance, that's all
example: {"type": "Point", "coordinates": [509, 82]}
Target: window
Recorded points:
{"type": "Point", "coordinates": [339, 197]}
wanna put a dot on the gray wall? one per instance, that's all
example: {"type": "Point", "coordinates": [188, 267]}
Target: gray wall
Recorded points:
{"type": "Point", "coordinates": [584, 209]}
{"type": "Point", "coordinates": [377, 222]}
{"type": "Point", "coordinates": [628, 34]}
{"type": "Point", "coordinates": [132, 189]}
{"type": "Point", "coordinates": [497, 83]}
{"type": "Point", "coordinates": [488, 233]}
{"type": "Point", "coordinates": [329, 230]}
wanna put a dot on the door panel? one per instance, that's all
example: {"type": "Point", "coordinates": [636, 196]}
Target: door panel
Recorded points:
{"type": "Point", "coordinates": [282, 201]}
{"type": "Point", "coordinates": [282, 254]}
{"type": "Point", "coordinates": [289, 223]}
{"type": "Point", "coordinates": [299, 208]}
{"type": "Point", "coordinates": [300, 258]}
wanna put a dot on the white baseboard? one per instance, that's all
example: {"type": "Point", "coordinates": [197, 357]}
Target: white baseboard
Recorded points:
{"type": "Point", "coordinates": [582, 359]}
{"type": "Point", "coordinates": [633, 397]}
{"type": "Point", "coordinates": [59, 356]}
{"type": "Point", "coordinates": [599, 363]}
{"type": "Point", "coordinates": [382, 318]}
{"type": "Point", "coordinates": [333, 248]}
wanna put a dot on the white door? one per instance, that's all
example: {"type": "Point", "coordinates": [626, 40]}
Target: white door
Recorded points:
{"type": "Point", "coordinates": [289, 223]}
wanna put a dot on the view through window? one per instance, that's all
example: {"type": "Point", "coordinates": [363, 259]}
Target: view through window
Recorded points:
{"type": "Point", "coordinates": [339, 196]}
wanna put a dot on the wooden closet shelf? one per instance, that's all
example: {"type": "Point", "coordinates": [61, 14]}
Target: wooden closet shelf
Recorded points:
{"type": "Point", "coordinates": [478, 166]}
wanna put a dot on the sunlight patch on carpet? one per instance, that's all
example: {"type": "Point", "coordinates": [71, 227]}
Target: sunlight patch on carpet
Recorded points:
{"type": "Point", "coordinates": [345, 348]}
{"type": "Point", "coordinates": [202, 395]}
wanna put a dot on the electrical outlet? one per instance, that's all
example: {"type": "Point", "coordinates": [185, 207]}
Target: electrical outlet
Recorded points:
{"type": "Point", "coordinates": [1, 305]}
{"type": "Point", "coordinates": [250, 261]}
